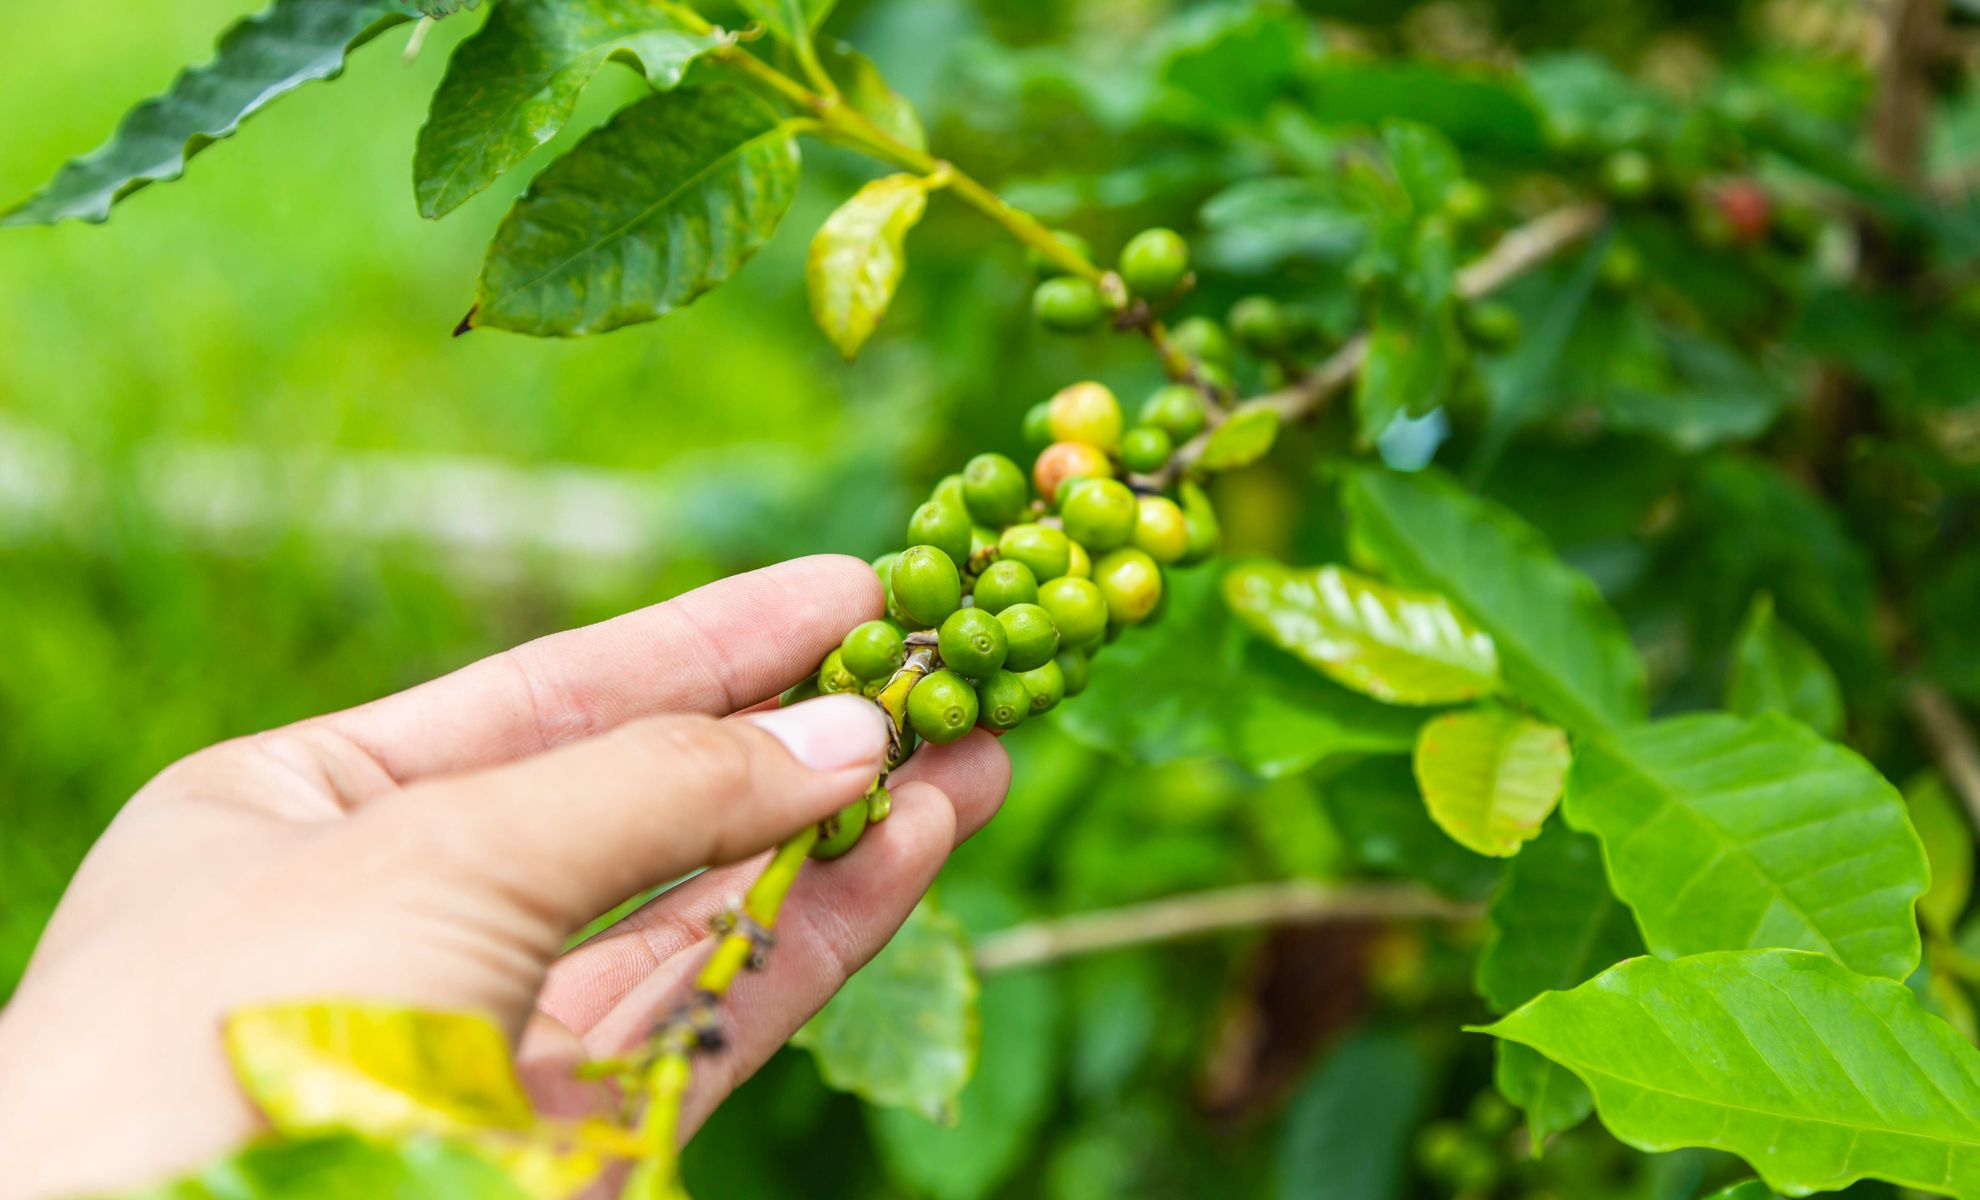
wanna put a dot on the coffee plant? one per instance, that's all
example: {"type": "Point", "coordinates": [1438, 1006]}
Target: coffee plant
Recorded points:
{"type": "Point", "coordinates": [1715, 328]}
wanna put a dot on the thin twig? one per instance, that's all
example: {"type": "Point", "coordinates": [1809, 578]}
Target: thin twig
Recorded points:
{"type": "Point", "coordinates": [1952, 740]}
{"type": "Point", "coordinates": [1293, 902]}
{"type": "Point", "coordinates": [1914, 46]}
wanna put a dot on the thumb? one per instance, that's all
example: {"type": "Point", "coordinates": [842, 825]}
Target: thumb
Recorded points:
{"type": "Point", "coordinates": [573, 831]}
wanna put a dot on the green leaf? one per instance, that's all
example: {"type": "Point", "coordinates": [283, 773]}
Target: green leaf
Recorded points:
{"type": "Point", "coordinates": [1714, 394]}
{"type": "Point", "coordinates": [1475, 108]}
{"type": "Point", "coordinates": [902, 1032]}
{"type": "Point", "coordinates": [870, 95]}
{"type": "Point", "coordinates": [1375, 807]}
{"type": "Point", "coordinates": [1559, 644]}
{"type": "Point", "coordinates": [1776, 670]}
{"type": "Point", "coordinates": [1490, 777]}
{"type": "Point", "coordinates": [1554, 922]}
{"type": "Point", "coordinates": [642, 216]}
{"type": "Point", "coordinates": [1728, 833]}
{"type": "Point", "coordinates": [441, 8]}
{"type": "Point", "coordinates": [791, 20]}
{"type": "Point", "coordinates": [1550, 1095]}
{"type": "Point", "coordinates": [342, 1167]}
{"type": "Point", "coordinates": [1347, 1129]}
{"type": "Point", "coordinates": [1197, 685]}
{"type": "Point", "coordinates": [1815, 1075]}
{"type": "Point", "coordinates": [258, 60]}
{"type": "Point", "coordinates": [857, 258]}
{"type": "Point", "coordinates": [511, 86]}
{"type": "Point", "coordinates": [1398, 646]}
{"type": "Point", "coordinates": [1750, 1189]}
{"type": "Point", "coordinates": [1424, 160]}
{"type": "Point", "coordinates": [1408, 368]}
{"type": "Point", "coordinates": [1242, 440]}
{"type": "Point", "coordinates": [1948, 838]}
{"type": "Point", "coordinates": [1221, 62]}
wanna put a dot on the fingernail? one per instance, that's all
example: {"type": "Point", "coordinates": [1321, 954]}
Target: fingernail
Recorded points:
{"type": "Point", "coordinates": [830, 733]}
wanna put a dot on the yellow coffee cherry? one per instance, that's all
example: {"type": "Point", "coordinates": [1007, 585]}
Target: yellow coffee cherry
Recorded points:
{"type": "Point", "coordinates": [1161, 530]}
{"type": "Point", "coordinates": [1086, 412]}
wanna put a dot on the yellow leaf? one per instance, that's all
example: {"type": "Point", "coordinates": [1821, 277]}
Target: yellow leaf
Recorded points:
{"type": "Point", "coordinates": [857, 258]}
{"type": "Point", "coordinates": [1490, 777]}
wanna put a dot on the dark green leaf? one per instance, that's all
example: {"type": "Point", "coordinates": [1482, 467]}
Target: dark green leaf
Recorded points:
{"type": "Point", "coordinates": [343, 1168]}
{"type": "Point", "coordinates": [1242, 440]}
{"type": "Point", "coordinates": [1554, 922]}
{"type": "Point", "coordinates": [1475, 109]}
{"type": "Point", "coordinates": [258, 60]}
{"type": "Point", "coordinates": [1586, 99]}
{"type": "Point", "coordinates": [1525, 383]}
{"type": "Point", "coordinates": [652, 210]}
{"type": "Point", "coordinates": [1197, 685]}
{"type": "Point", "coordinates": [1398, 646]}
{"type": "Point", "coordinates": [1347, 1129]}
{"type": "Point", "coordinates": [1776, 670]}
{"type": "Point", "coordinates": [1815, 1075]}
{"type": "Point", "coordinates": [1257, 225]}
{"type": "Point", "coordinates": [1408, 369]}
{"type": "Point", "coordinates": [441, 8]}
{"type": "Point", "coordinates": [869, 94]}
{"type": "Point", "coordinates": [511, 86]}
{"type": "Point", "coordinates": [1725, 833]}
{"type": "Point", "coordinates": [1424, 161]}
{"type": "Point", "coordinates": [791, 20]}
{"type": "Point", "coordinates": [1550, 1095]}
{"type": "Point", "coordinates": [1232, 60]}
{"type": "Point", "coordinates": [1943, 827]}
{"type": "Point", "coordinates": [1490, 776]}
{"type": "Point", "coordinates": [1381, 819]}
{"type": "Point", "coordinates": [1559, 645]}
{"type": "Point", "coordinates": [857, 258]}
{"type": "Point", "coordinates": [1713, 394]}
{"type": "Point", "coordinates": [902, 1032]}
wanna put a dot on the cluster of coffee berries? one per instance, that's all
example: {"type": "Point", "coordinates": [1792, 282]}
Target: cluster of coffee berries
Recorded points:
{"type": "Point", "coordinates": [1012, 582]}
{"type": "Point", "coordinates": [1153, 266]}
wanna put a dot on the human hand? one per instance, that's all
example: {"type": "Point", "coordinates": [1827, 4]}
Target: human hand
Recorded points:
{"type": "Point", "coordinates": [439, 846]}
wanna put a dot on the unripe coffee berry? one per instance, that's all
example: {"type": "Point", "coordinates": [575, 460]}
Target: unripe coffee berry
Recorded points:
{"type": "Point", "coordinates": [1154, 262]}
{"type": "Point", "coordinates": [1042, 548]}
{"type": "Point", "coordinates": [874, 650]}
{"type": "Point", "coordinates": [1075, 668]}
{"type": "Point", "coordinates": [1145, 448]}
{"type": "Point", "coordinates": [840, 832]}
{"type": "Point", "coordinates": [883, 566]}
{"type": "Point", "coordinates": [1177, 410]}
{"type": "Point", "coordinates": [942, 525]}
{"type": "Point", "coordinates": [1062, 461]}
{"type": "Point", "coordinates": [1002, 701]}
{"type": "Point", "coordinates": [1067, 304]}
{"type": "Point", "coordinates": [1260, 324]}
{"type": "Point", "coordinates": [1467, 202]}
{"type": "Point", "coordinates": [1629, 175]}
{"type": "Point", "coordinates": [950, 491]}
{"type": "Point", "coordinates": [1200, 516]}
{"type": "Point", "coordinates": [1004, 583]}
{"type": "Point", "coordinates": [1078, 608]}
{"type": "Point", "coordinates": [1494, 323]}
{"type": "Point", "coordinates": [1099, 514]}
{"type": "Point", "coordinates": [927, 586]}
{"type": "Point", "coordinates": [1203, 340]}
{"type": "Point", "coordinates": [1047, 686]}
{"type": "Point", "coordinates": [942, 707]}
{"type": "Point", "coordinates": [1030, 634]}
{"type": "Point", "coordinates": [1160, 529]}
{"type": "Point", "coordinates": [994, 489]}
{"type": "Point", "coordinates": [834, 677]}
{"type": "Point", "coordinates": [1045, 267]}
{"type": "Point", "coordinates": [1086, 412]}
{"type": "Point", "coordinates": [972, 642]}
{"type": "Point", "coordinates": [1080, 564]}
{"type": "Point", "coordinates": [1131, 584]}
{"type": "Point", "coordinates": [1038, 425]}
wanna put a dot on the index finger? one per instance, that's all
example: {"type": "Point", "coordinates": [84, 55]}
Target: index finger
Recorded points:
{"type": "Point", "coordinates": [714, 650]}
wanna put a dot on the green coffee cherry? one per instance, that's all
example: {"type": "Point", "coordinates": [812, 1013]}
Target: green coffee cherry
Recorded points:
{"type": "Point", "coordinates": [839, 832]}
{"type": "Point", "coordinates": [1468, 202]}
{"type": "Point", "coordinates": [1087, 413]}
{"type": "Point", "coordinates": [1099, 514]}
{"type": "Point", "coordinates": [1453, 1155]}
{"type": "Point", "coordinates": [1154, 262]}
{"type": "Point", "coordinates": [1075, 667]}
{"type": "Point", "coordinates": [1160, 529]}
{"type": "Point", "coordinates": [1061, 462]}
{"type": "Point", "coordinates": [879, 802]}
{"type": "Point", "coordinates": [1203, 340]}
{"type": "Point", "coordinates": [1146, 448]}
{"type": "Point", "coordinates": [1078, 608]}
{"type": "Point", "coordinates": [874, 651]}
{"type": "Point", "coordinates": [804, 689]}
{"type": "Point", "coordinates": [1131, 584]}
{"type": "Point", "coordinates": [1067, 304]}
{"type": "Point", "coordinates": [972, 642]}
{"type": "Point", "coordinates": [1217, 378]}
{"type": "Point", "coordinates": [942, 525]}
{"type": "Point", "coordinates": [1629, 175]}
{"type": "Point", "coordinates": [1004, 583]}
{"type": "Point", "coordinates": [1200, 518]}
{"type": "Point", "coordinates": [1177, 410]}
{"type": "Point", "coordinates": [1260, 325]}
{"type": "Point", "coordinates": [1622, 266]}
{"type": "Point", "coordinates": [1038, 425]}
{"type": "Point", "coordinates": [942, 707]}
{"type": "Point", "coordinates": [1040, 547]}
{"type": "Point", "coordinates": [1002, 701]}
{"type": "Point", "coordinates": [1080, 563]}
{"type": "Point", "coordinates": [927, 586]}
{"type": "Point", "coordinates": [834, 677]}
{"type": "Point", "coordinates": [1047, 686]}
{"type": "Point", "coordinates": [1030, 634]}
{"type": "Point", "coordinates": [950, 492]}
{"type": "Point", "coordinates": [1045, 268]}
{"type": "Point", "coordinates": [994, 490]}
{"type": "Point", "coordinates": [1494, 323]}
{"type": "Point", "coordinates": [883, 566]}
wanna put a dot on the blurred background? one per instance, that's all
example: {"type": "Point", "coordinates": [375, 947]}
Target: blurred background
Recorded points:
{"type": "Point", "coordinates": [246, 476]}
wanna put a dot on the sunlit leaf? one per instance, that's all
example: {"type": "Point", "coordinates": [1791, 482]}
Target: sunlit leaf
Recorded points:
{"type": "Point", "coordinates": [1490, 777]}
{"type": "Point", "coordinates": [1943, 827]}
{"type": "Point", "coordinates": [1398, 646]}
{"type": "Point", "coordinates": [343, 1167]}
{"type": "Point", "coordinates": [642, 216]}
{"type": "Point", "coordinates": [1775, 670]}
{"type": "Point", "coordinates": [791, 20]}
{"type": "Point", "coordinates": [258, 60]}
{"type": "Point", "coordinates": [1242, 440]}
{"type": "Point", "coordinates": [1559, 645]}
{"type": "Point", "coordinates": [1347, 1129]}
{"type": "Point", "coordinates": [903, 1030]}
{"type": "Point", "coordinates": [1815, 1075]}
{"type": "Point", "coordinates": [870, 95]}
{"type": "Point", "coordinates": [1725, 833]}
{"type": "Point", "coordinates": [857, 258]}
{"type": "Point", "coordinates": [1749, 1189]}
{"type": "Point", "coordinates": [511, 86]}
